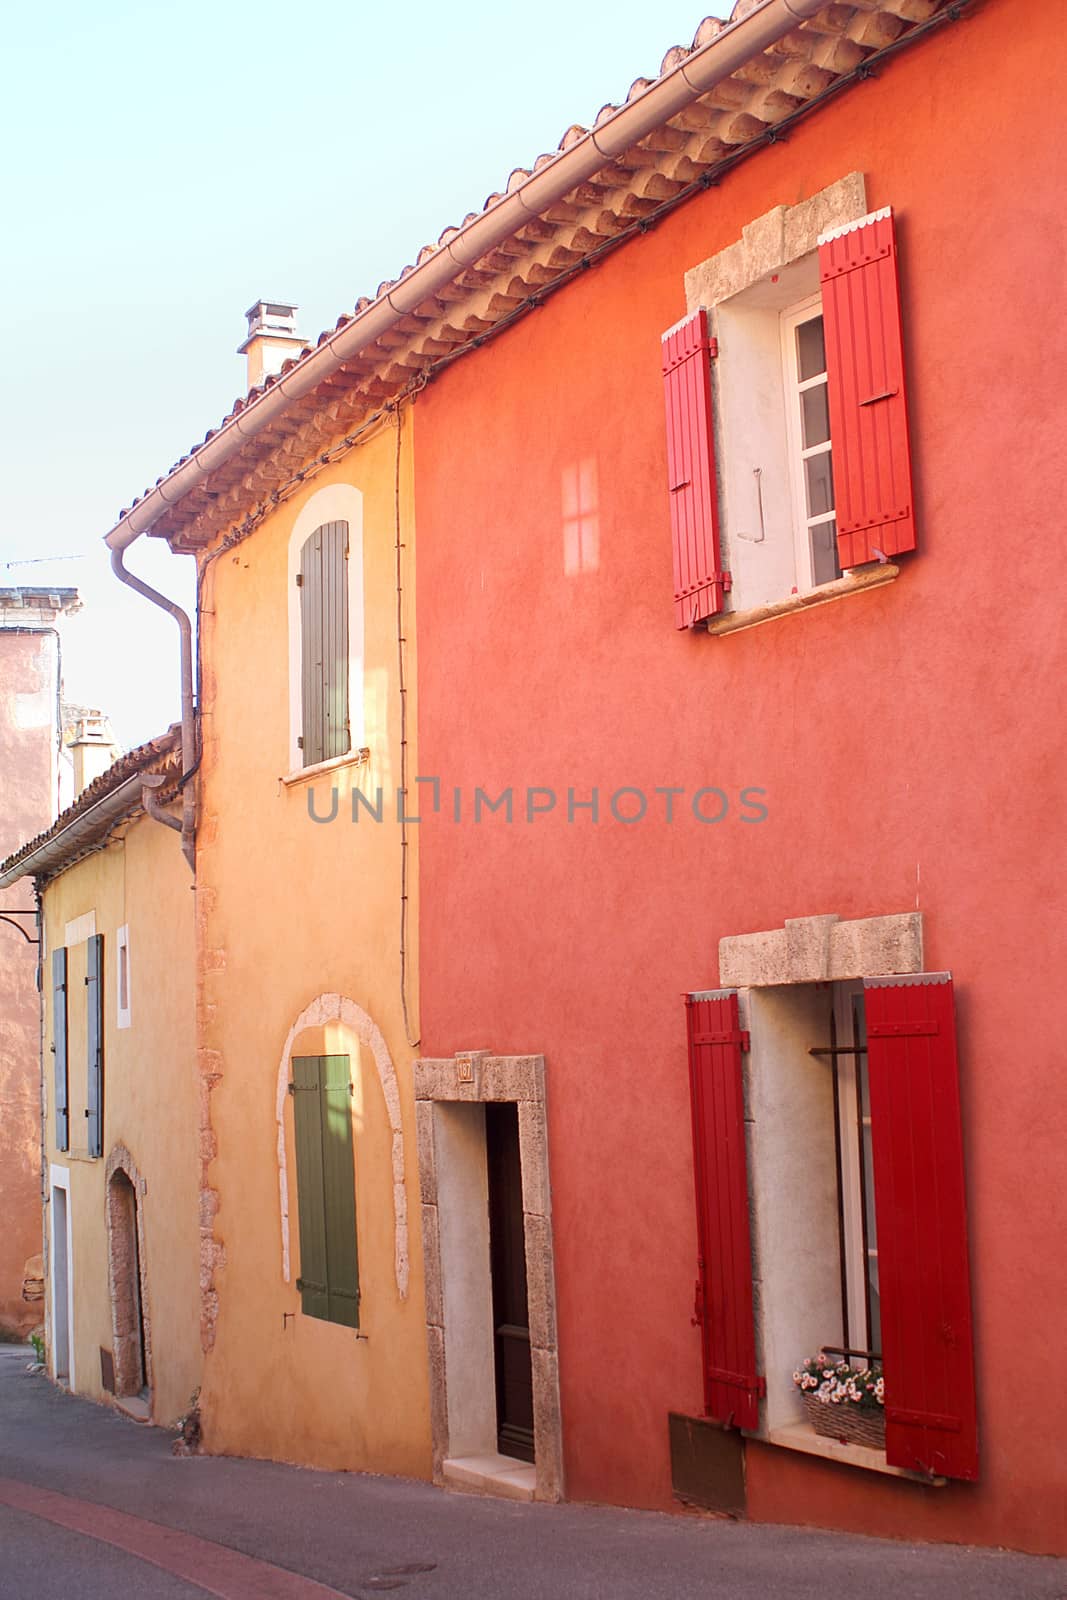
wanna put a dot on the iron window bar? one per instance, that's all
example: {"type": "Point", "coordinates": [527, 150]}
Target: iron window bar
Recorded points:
{"type": "Point", "coordinates": [832, 1053]}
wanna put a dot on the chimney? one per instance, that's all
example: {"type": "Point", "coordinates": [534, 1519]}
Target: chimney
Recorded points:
{"type": "Point", "coordinates": [272, 338]}
{"type": "Point", "coordinates": [92, 749]}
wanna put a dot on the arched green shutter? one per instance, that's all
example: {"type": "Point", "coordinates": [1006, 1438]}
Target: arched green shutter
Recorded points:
{"type": "Point", "coordinates": [326, 1188]}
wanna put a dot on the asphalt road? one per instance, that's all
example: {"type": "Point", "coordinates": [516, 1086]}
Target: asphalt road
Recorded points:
{"type": "Point", "coordinates": [93, 1507]}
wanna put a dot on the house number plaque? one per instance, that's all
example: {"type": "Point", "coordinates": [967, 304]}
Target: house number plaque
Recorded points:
{"type": "Point", "coordinates": [465, 1069]}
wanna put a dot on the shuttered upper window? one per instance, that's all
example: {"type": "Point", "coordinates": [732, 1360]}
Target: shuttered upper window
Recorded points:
{"type": "Point", "coordinates": [325, 1181]}
{"type": "Point", "coordinates": [787, 428]}
{"type": "Point", "coordinates": [324, 644]}
{"type": "Point", "coordinates": [94, 992]}
{"type": "Point", "coordinates": [59, 1047]}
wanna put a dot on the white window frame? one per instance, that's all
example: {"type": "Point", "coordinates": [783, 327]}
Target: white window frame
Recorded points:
{"type": "Point", "coordinates": [337, 502]}
{"type": "Point", "coordinates": [794, 387]}
{"type": "Point", "coordinates": [122, 969]}
{"type": "Point", "coordinates": [745, 287]}
{"type": "Point", "coordinates": [59, 1178]}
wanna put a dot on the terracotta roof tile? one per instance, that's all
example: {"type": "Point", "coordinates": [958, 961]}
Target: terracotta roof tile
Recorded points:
{"type": "Point", "coordinates": [158, 753]}
{"type": "Point", "coordinates": [735, 113]}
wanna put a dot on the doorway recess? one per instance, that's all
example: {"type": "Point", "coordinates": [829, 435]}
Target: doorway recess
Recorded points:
{"type": "Point", "coordinates": [490, 1277]}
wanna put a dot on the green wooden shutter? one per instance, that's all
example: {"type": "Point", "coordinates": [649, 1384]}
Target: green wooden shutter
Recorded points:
{"type": "Point", "coordinates": [59, 1045]}
{"type": "Point", "coordinates": [339, 1183]}
{"type": "Point", "coordinates": [324, 643]}
{"type": "Point", "coordinates": [307, 1122]}
{"type": "Point", "coordinates": [326, 1188]}
{"type": "Point", "coordinates": [94, 990]}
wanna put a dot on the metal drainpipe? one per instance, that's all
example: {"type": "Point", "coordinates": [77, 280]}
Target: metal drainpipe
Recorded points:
{"type": "Point", "coordinates": [189, 753]}
{"type": "Point", "coordinates": [737, 44]}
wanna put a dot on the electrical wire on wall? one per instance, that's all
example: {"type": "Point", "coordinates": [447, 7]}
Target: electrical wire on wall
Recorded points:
{"type": "Point", "coordinates": [401, 642]}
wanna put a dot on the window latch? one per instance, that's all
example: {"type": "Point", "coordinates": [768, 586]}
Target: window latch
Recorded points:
{"type": "Point", "coordinates": [873, 399]}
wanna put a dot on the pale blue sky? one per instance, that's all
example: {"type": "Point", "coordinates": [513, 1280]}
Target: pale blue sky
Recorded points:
{"type": "Point", "coordinates": [166, 165]}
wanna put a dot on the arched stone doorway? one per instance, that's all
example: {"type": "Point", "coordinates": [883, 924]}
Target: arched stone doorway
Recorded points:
{"type": "Point", "coordinates": [130, 1328]}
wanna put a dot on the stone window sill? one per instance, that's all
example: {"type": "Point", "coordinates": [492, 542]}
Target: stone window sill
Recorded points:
{"type": "Point", "coordinates": [856, 582]}
{"type": "Point", "coordinates": [798, 1436]}
{"type": "Point", "coordinates": [352, 758]}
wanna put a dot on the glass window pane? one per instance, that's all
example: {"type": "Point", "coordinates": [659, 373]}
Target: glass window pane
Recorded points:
{"type": "Point", "coordinates": [818, 476]}
{"type": "Point", "coordinates": [824, 563]}
{"type": "Point", "coordinates": [816, 415]}
{"type": "Point", "coordinates": [811, 351]}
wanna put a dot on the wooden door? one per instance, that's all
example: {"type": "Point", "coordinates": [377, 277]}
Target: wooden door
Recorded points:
{"type": "Point", "coordinates": [507, 1253]}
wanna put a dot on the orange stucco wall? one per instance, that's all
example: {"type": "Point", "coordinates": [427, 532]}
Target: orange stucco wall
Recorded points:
{"type": "Point", "coordinates": [291, 911]}
{"type": "Point", "coordinates": [909, 741]}
{"type": "Point", "coordinates": [28, 681]}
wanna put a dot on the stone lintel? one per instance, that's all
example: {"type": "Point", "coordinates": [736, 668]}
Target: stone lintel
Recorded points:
{"type": "Point", "coordinates": [768, 243]}
{"type": "Point", "coordinates": [822, 949]}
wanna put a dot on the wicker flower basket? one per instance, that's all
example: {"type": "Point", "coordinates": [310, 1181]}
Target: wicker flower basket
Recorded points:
{"type": "Point", "coordinates": [851, 1424]}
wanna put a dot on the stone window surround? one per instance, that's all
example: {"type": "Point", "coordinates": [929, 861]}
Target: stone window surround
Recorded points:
{"type": "Point", "coordinates": [324, 1009]}
{"type": "Point", "coordinates": [768, 245]}
{"type": "Point", "coordinates": [806, 950]}
{"type": "Point", "coordinates": [477, 1077]}
{"type": "Point", "coordinates": [822, 949]}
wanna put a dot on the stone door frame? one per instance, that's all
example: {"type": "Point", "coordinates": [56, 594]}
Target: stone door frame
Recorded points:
{"type": "Point", "coordinates": [475, 1078]}
{"type": "Point", "coordinates": [120, 1160]}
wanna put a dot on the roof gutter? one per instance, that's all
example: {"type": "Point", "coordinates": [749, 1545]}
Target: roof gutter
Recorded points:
{"type": "Point", "coordinates": [679, 87]}
{"type": "Point", "coordinates": [87, 828]}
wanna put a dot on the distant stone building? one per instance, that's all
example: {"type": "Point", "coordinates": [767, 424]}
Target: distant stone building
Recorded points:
{"type": "Point", "coordinates": [31, 762]}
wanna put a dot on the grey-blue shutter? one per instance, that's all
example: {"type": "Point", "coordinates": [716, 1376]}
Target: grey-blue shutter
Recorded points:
{"type": "Point", "coordinates": [59, 1045]}
{"type": "Point", "coordinates": [324, 643]}
{"type": "Point", "coordinates": [94, 992]}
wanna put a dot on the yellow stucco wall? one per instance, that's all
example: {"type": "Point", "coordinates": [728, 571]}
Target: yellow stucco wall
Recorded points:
{"type": "Point", "coordinates": [291, 910]}
{"type": "Point", "coordinates": [139, 881]}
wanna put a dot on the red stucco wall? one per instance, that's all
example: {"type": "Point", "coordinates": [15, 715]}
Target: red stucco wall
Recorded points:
{"type": "Point", "coordinates": [27, 733]}
{"type": "Point", "coordinates": [909, 740]}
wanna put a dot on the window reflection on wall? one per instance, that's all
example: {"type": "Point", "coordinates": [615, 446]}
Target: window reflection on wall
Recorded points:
{"type": "Point", "coordinates": [581, 517]}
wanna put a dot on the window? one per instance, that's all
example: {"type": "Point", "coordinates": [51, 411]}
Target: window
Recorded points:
{"type": "Point", "coordinates": [787, 438]}
{"type": "Point", "coordinates": [321, 1090]}
{"type": "Point", "coordinates": [845, 1055]}
{"type": "Point", "coordinates": [94, 999]}
{"type": "Point", "coordinates": [325, 576]}
{"type": "Point", "coordinates": [830, 1204]}
{"type": "Point", "coordinates": [807, 407]}
{"type": "Point", "coordinates": [59, 1047]}
{"type": "Point", "coordinates": [122, 972]}
{"type": "Point", "coordinates": [323, 584]}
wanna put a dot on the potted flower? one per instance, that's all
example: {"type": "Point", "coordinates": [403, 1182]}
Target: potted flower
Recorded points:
{"type": "Point", "coordinates": [842, 1401]}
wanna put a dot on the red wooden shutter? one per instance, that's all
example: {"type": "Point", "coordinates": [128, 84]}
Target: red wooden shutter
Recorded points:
{"type": "Point", "coordinates": [931, 1422]}
{"type": "Point", "coordinates": [698, 581]}
{"type": "Point", "coordinates": [724, 1289]}
{"type": "Point", "coordinates": [865, 377]}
